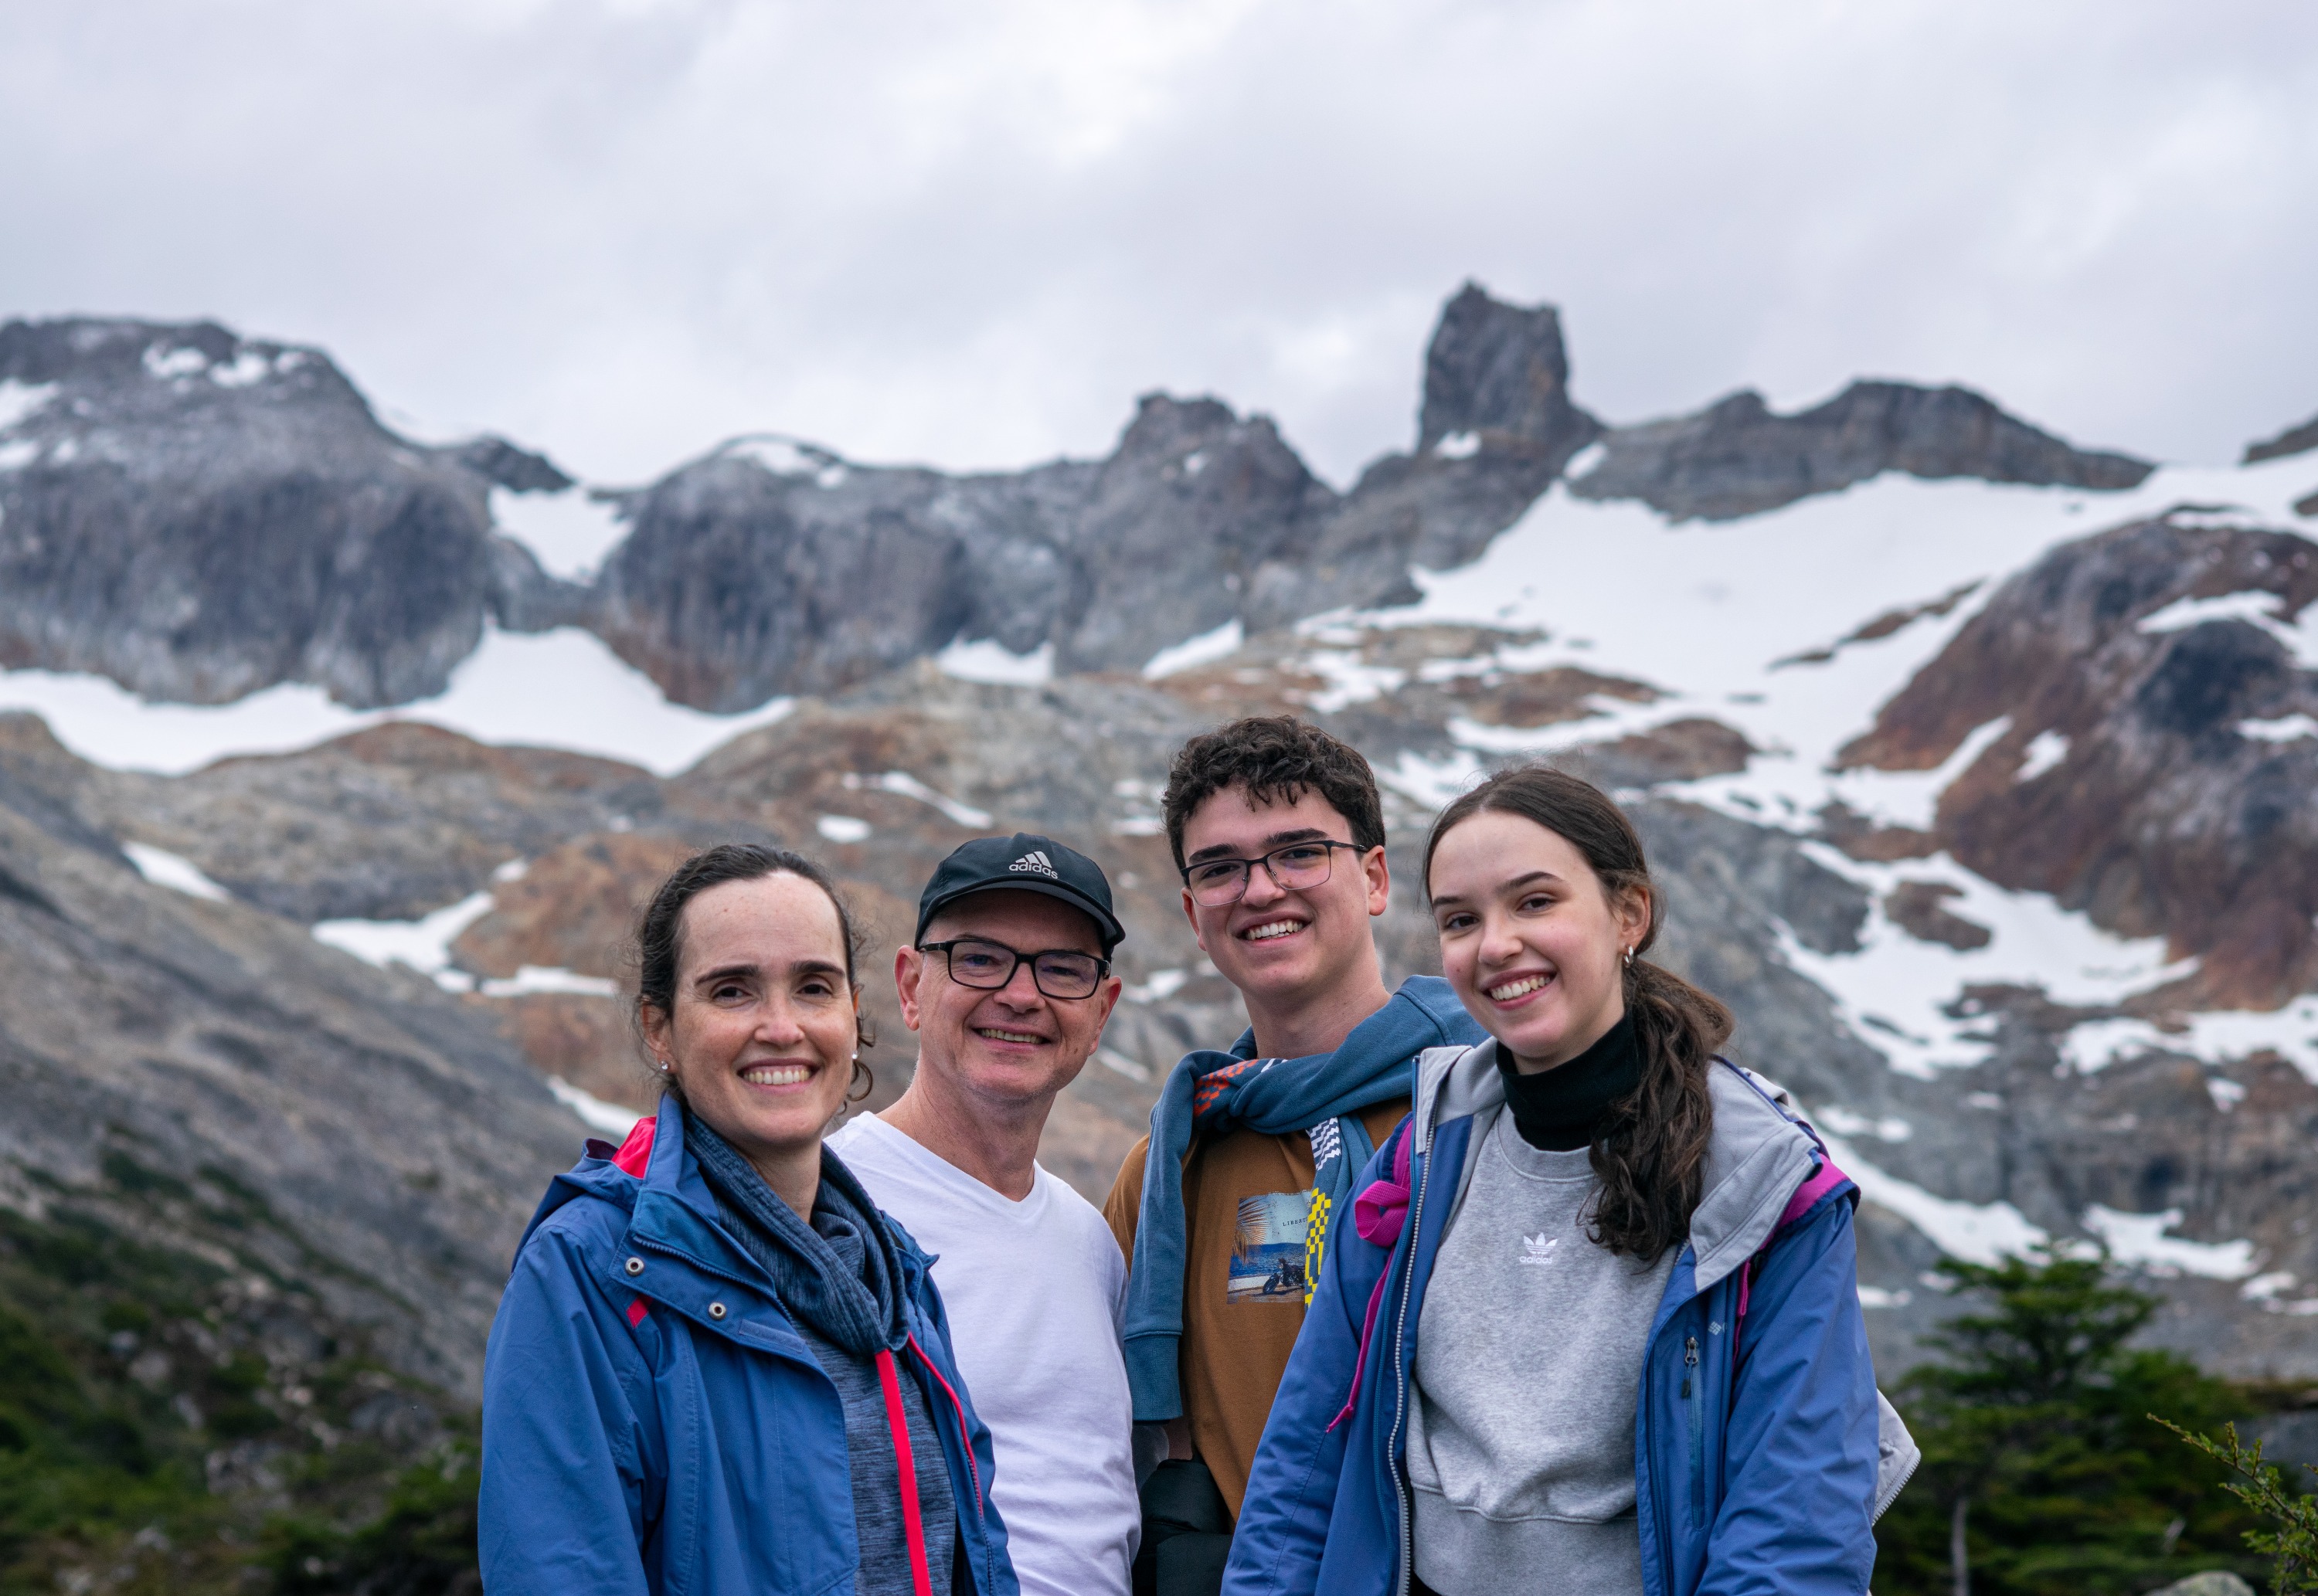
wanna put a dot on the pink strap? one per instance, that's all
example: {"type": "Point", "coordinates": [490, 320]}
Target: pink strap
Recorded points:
{"type": "Point", "coordinates": [1379, 1214]}
{"type": "Point", "coordinates": [898, 1422]}
{"type": "Point", "coordinates": [1809, 1192]}
{"type": "Point", "coordinates": [1823, 1179]}
{"type": "Point", "coordinates": [964, 1430]}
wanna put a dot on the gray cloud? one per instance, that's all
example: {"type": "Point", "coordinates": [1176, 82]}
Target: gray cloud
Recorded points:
{"type": "Point", "coordinates": [971, 234]}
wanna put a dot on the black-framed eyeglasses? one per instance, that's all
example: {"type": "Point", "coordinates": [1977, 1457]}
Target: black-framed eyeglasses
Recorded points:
{"type": "Point", "coordinates": [1058, 972]}
{"type": "Point", "coordinates": [1215, 882]}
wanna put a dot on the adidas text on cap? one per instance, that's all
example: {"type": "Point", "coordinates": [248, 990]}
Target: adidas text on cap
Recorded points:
{"type": "Point", "coordinates": [1027, 863]}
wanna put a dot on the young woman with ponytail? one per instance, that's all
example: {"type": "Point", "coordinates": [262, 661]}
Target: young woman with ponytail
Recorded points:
{"type": "Point", "coordinates": [1600, 1334]}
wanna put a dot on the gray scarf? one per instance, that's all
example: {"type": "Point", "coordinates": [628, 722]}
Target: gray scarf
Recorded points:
{"type": "Point", "coordinates": [840, 1275]}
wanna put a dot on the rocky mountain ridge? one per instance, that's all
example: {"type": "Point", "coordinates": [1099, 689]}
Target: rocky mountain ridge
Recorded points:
{"type": "Point", "coordinates": [280, 534]}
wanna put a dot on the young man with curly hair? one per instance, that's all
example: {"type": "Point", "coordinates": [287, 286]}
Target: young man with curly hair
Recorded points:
{"type": "Point", "coordinates": [1277, 831]}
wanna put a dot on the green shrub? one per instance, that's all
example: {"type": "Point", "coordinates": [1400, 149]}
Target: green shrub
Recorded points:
{"type": "Point", "coordinates": [2037, 1422]}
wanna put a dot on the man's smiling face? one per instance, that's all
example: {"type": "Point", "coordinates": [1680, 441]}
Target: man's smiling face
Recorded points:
{"type": "Point", "coordinates": [1282, 946]}
{"type": "Point", "coordinates": [1014, 1044]}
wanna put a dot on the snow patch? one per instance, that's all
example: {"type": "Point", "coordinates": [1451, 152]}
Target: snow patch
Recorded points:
{"type": "Point", "coordinates": [788, 457]}
{"type": "Point", "coordinates": [2140, 1239]}
{"type": "Point", "coordinates": [1113, 1060]}
{"type": "Point", "coordinates": [562, 689]}
{"type": "Point", "coordinates": [1842, 1122]}
{"type": "Point", "coordinates": [179, 875]}
{"type": "Point", "coordinates": [1912, 797]}
{"type": "Point", "coordinates": [248, 366]}
{"type": "Point", "coordinates": [164, 364]}
{"type": "Point", "coordinates": [2047, 751]}
{"type": "Point", "coordinates": [1202, 649]}
{"type": "Point", "coordinates": [19, 400]}
{"type": "Point", "coordinates": [422, 945]}
{"type": "Point", "coordinates": [1895, 992]}
{"type": "Point", "coordinates": [597, 1115]}
{"type": "Point", "coordinates": [2217, 1036]}
{"type": "Point", "coordinates": [17, 454]}
{"type": "Point", "coordinates": [904, 785]}
{"type": "Point", "coordinates": [532, 979]}
{"type": "Point", "coordinates": [1459, 445]}
{"type": "Point", "coordinates": [1582, 464]}
{"type": "Point", "coordinates": [568, 532]}
{"type": "Point", "coordinates": [2259, 607]}
{"type": "Point", "coordinates": [2284, 729]}
{"type": "Point", "coordinates": [843, 827]}
{"type": "Point", "coordinates": [1984, 1233]}
{"type": "Point", "coordinates": [1158, 986]}
{"type": "Point", "coordinates": [1350, 679]}
{"type": "Point", "coordinates": [986, 659]}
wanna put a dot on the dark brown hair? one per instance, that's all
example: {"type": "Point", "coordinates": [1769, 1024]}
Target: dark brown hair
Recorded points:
{"type": "Point", "coordinates": [658, 949]}
{"type": "Point", "coordinates": [1273, 757]}
{"type": "Point", "coordinates": [1651, 1148]}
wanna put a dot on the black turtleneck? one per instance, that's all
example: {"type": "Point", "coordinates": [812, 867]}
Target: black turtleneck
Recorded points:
{"type": "Point", "coordinates": [1558, 1111]}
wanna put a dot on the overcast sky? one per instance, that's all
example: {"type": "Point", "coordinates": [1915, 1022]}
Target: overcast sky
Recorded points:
{"type": "Point", "coordinates": [970, 233]}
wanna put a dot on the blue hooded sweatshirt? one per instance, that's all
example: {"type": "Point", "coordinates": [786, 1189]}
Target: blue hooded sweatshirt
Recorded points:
{"type": "Point", "coordinates": [1762, 1451]}
{"type": "Point", "coordinates": [654, 1422]}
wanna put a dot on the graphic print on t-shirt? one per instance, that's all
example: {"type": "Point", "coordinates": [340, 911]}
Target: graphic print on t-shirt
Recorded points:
{"type": "Point", "coordinates": [1267, 1259]}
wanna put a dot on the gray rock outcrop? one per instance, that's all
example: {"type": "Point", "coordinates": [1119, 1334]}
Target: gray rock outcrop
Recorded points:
{"type": "Point", "coordinates": [771, 566]}
{"type": "Point", "coordinates": [2294, 440]}
{"type": "Point", "coordinates": [219, 1085]}
{"type": "Point", "coordinates": [1736, 458]}
{"type": "Point", "coordinates": [198, 516]}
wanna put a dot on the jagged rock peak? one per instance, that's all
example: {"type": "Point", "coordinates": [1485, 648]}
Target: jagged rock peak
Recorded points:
{"type": "Point", "coordinates": [2294, 440]}
{"type": "Point", "coordinates": [1495, 368]}
{"type": "Point", "coordinates": [1736, 458]}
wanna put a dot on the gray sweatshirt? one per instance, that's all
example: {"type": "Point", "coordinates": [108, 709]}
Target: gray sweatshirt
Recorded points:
{"type": "Point", "coordinates": [1521, 1441]}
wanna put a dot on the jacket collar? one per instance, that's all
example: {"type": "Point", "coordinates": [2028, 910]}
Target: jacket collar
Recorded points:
{"type": "Point", "coordinates": [670, 1207]}
{"type": "Point", "coordinates": [1759, 1156]}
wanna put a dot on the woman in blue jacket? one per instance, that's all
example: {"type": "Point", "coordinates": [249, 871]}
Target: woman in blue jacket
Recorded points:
{"type": "Point", "coordinates": [1601, 1335]}
{"type": "Point", "coordinates": [717, 1367]}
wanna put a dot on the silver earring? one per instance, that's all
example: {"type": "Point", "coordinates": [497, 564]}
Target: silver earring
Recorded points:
{"type": "Point", "coordinates": [1629, 958]}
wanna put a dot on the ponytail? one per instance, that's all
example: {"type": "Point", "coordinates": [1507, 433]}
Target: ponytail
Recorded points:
{"type": "Point", "coordinates": [1650, 1151]}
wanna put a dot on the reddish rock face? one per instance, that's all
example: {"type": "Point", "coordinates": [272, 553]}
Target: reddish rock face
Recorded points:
{"type": "Point", "coordinates": [1919, 909]}
{"type": "Point", "coordinates": [2156, 815]}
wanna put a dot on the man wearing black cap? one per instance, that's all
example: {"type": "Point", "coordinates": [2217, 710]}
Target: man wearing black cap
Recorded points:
{"type": "Point", "coordinates": [1008, 983]}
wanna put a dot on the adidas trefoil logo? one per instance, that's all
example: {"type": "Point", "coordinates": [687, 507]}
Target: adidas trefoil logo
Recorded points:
{"type": "Point", "coordinates": [1037, 862]}
{"type": "Point", "coordinates": [1537, 1250]}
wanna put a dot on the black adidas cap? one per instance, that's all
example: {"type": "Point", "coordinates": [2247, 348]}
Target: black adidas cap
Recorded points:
{"type": "Point", "coordinates": [1024, 862]}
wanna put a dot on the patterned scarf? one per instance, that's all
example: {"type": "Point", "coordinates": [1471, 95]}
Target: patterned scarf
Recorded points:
{"type": "Point", "coordinates": [1322, 1094]}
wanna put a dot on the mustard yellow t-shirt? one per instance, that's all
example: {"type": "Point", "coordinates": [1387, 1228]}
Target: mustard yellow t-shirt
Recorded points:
{"type": "Point", "coordinates": [1247, 1199]}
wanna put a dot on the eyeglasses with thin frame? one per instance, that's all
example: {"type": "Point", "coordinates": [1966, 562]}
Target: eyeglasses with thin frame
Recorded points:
{"type": "Point", "coordinates": [1215, 882]}
{"type": "Point", "coordinates": [1063, 972]}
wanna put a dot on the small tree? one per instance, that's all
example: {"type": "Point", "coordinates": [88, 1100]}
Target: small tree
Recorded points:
{"type": "Point", "coordinates": [2043, 1474]}
{"type": "Point", "coordinates": [2294, 1545]}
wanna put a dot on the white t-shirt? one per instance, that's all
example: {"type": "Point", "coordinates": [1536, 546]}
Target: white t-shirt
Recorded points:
{"type": "Point", "coordinates": [1037, 1295]}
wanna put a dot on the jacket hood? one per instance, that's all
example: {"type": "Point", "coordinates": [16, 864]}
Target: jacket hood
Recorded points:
{"type": "Point", "coordinates": [1759, 1156]}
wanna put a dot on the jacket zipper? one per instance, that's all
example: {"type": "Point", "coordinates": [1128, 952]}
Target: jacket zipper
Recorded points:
{"type": "Point", "coordinates": [1693, 1390]}
{"type": "Point", "coordinates": [1407, 1580]}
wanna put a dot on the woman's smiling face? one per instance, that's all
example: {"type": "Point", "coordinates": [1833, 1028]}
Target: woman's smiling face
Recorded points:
{"type": "Point", "coordinates": [762, 1038]}
{"type": "Point", "coordinates": [1530, 939]}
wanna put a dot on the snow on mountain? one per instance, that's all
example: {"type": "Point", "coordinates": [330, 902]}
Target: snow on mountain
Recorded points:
{"type": "Point", "coordinates": [1979, 768]}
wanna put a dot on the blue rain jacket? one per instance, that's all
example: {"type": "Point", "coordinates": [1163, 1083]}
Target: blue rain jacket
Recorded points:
{"type": "Point", "coordinates": [653, 1422]}
{"type": "Point", "coordinates": [1756, 1469]}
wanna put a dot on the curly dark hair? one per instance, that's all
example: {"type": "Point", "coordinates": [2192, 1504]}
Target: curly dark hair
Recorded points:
{"type": "Point", "coordinates": [1650, 1151]}
{"type": "Point", "coordinates": [1273, 757]}
{"type": "Point", "coordinates": [657, 950]}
